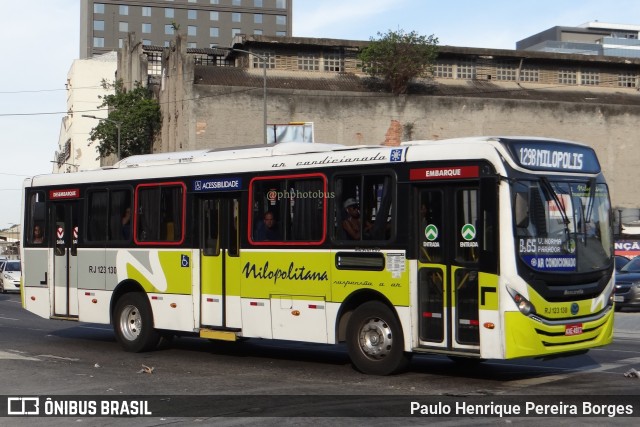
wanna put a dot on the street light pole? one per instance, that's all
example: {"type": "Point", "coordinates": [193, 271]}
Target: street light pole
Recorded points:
{"type": "Point", "coordinates": [263, 58]}
{"type": "Point", "coordinates": [117, 125]}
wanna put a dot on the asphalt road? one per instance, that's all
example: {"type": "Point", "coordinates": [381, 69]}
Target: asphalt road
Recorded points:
{"type": "Point", "coordinates": [263, 382]}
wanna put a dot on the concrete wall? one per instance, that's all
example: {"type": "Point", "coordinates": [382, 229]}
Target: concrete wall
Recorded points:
{"type": "Point", "coordinates": [228, 116]}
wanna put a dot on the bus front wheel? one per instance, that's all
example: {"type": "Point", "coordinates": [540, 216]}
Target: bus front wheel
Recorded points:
{"type": "Point", "coordinates": [375, 341]}
{"type": "Point", "coordinates": [133, 323]}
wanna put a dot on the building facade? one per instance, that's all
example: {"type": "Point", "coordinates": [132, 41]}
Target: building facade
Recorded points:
{"type": "Point", "coordinates": [591, 38]}
{"type": "Point", "coordinates": [213, 98]}
{"type": "Point", "coordinates": [104, 24]}
{"type": "Point", "coordinates": [84, 86]}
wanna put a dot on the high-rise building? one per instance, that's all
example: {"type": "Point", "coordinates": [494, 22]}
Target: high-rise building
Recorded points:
{"type": "Point", "coordinates": [104, 24]}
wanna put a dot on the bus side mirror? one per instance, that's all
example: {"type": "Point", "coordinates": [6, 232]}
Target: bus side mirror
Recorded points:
{"type": "Point", "coordinates": [521, 210]}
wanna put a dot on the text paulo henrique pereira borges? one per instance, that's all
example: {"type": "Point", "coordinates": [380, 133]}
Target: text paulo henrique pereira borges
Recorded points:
{"type": "Point", "coordinates": [525, 409]}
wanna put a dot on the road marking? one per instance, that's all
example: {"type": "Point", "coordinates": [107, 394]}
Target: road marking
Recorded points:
{"type": "Point", "coordinates": [4, 355]}
{"type": "Point", "coordinates": [50, 356]}
{"type": "Point", "coordinates": [572, 372]}
{"type": "Point", "coordinates": [8, 318]}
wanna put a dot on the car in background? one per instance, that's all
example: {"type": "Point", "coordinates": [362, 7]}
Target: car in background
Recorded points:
{"type": "Point", "coordinates": [10, 275]}
{"type": "Point", "coordinates": [621, 261]}
{"type": "Point", "coordinates": [627, 286]}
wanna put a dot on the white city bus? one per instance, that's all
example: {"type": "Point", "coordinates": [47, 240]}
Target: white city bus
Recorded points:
{"type": "Point", "coordinates": [475, 248]}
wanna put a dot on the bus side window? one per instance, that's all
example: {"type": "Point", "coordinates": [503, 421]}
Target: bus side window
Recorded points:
{"type": "Point", "coordinates": [36, 231]}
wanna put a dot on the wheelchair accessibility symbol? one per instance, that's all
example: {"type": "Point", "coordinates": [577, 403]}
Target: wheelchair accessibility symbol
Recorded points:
{"type": "Point", "coordinates": [184, 261]}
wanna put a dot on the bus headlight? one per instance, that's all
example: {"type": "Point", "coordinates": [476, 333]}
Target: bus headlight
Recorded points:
{"type": "Point", "coordinates": [523, 304]}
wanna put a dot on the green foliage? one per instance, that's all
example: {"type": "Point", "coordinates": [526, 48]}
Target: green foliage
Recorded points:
{"type": "Point", "coordinates": [398, 57]}
{"type": "Point", "coordinates": [138, 115]}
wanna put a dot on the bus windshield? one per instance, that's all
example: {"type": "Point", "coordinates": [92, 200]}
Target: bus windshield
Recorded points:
{"type": "Point", "coordinates": [562, 226]}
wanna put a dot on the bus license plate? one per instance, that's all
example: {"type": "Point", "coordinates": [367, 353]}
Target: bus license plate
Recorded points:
{"type": "Point", "coordinates": [573, 329]}
{"type": "Point", "coordinates": [618, 298]}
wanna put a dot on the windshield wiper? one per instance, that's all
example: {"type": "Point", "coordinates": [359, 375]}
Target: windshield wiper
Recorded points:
{"type": "Point", "coordinates": [565, 219]}
{"type": "Point", "coordinates": [591, 202]}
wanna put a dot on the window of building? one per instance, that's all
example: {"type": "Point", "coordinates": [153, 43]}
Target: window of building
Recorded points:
{"type": "Point", "coordinates": [235, 32]}
{"type": "Point", "coordinates": [192, 30]}
{"type": "Point", "coordinates": [214, 1]}
{"type": "Point", "coordinates": [627, 80]}
{"type": "Point", "coordinates": [123, 10]}
{"type": "Point", "coordinates": [123, 27]}
{"type": "Point", "coordinates": [529, 75]}
{"type": "Point", "coordinates": [169, 13]}
{"type": "Point", "coordinates": [98, 42]}
{"type": "Point", "coordinates": [257, 32]}
{"type": "Point", "coordinates": [98, 25]}
{"type": "Point", "coordinates": [281, 33]}
{"type": "Point", "coordinates": [281, 20]}
{"type": "Point", "coordinates": [236, 17]}
{"type": "Point", "coordinates": [288, 209]}
{"type": "Point", "coordinates": [154, 61]}
{"type": "Point", "coordinates": [308, 62]}
{"type": "Point", "coordinates": [257, 18]}
{"type": "Point", "coordinates": [146, 42]}
{"type": "Point", "coordinates": [146, 11]}
{"type": "Point", "coordinates": [98, 8]}
{"type": "Point", "coordinates": [146, 28]}
{"type": "Point", "coordinates": [214, 32]}
{"type": "Point", "coordinates": [109, 216]}
{"type": "Point", "coordinates": [506, 72]}
{"type": "Point", "coordinates": [270, 59]}
{"type": "Point", "coordinates": [193, 1]}
{"type": "Point", "coordinates": [168, 29]}
{"type": "Point", "coordinates": [257, 3]}
{"type": "Point", "coordinates": [363, 208]}
{"type": "Point", "coordinates": [590, 78]}
{"type": "Point", "coordinates": [443, 70]}
{"type": "Point", "coordinates": [214, 16]}
{"type": "Point", "coordinates": [192, 14]}
{"type": "Point", "coordinates": [167, 43]}
{"type": "Point", "coordinates": [333, 62]}
{"type": "Point", "coordinates": [120, 43]}
{"type": "Point", "coordinates": [567, 77]}
{"type": "Point", "coordinates": [159, 213]}
{"type": "Point", "coordinates": [281, 4]}
{"type": "Point", "coordinates": [192, 45]}
{"type": "Point", "coordinates": [237, 2]}
{"type": "Point", "coordinates": [466, 70]}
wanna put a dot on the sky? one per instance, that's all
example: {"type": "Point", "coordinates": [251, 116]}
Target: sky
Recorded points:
{"type": "Point", "coordinates": [41, 42]}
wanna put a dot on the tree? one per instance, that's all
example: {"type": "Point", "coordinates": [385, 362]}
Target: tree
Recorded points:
{"type": "Point", "coordinates": [139, 117]}
{"type": "Point", "coordinates": [398, 57]}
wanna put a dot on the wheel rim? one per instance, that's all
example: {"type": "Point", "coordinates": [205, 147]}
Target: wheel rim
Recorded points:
{"type": "Point", "coordinates": [130, 323]}
{"type": "Point", "coordinates": [376, 339]}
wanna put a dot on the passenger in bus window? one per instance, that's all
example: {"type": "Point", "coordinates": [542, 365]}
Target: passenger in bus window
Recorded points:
{"type": "Point", "coordinates": [267, 229]}
{"type": "Point", "coordinates": [126, 224]}
{"type": "Point", "coordinates": [37, 235]}
{"type": "Point", "coordinates": [351, 224]}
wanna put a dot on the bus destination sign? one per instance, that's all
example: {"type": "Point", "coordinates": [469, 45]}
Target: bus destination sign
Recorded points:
{"type": "Point", "coordinates": [554, 156]}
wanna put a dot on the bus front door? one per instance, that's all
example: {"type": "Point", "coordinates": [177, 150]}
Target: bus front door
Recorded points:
{"type": "Point", "coordinates": [65, 259]}
{"type": "Point", "coordinates": [219, 234]}
{"type": "Point", "coordinates": [448, 267]}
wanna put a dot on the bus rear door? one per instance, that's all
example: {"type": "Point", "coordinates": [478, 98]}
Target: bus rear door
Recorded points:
{"type": "Point", "coordinates": [65, 259]}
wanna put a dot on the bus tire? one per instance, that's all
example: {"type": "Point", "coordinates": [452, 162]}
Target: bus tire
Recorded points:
{"type": "Point", "coordinates": [375, 341]}
{"type": "Point", "coordinates": [133, 323]}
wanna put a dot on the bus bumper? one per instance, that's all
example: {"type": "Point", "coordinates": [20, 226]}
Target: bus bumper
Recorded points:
{"type": "Point", "coordinates": [528, 336]}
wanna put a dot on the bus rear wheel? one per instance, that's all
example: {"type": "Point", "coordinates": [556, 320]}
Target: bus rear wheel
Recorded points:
{"type": "Point", "coordinates": [133, 323]}
{"type": "Point", "coordinates": [375, 341]}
